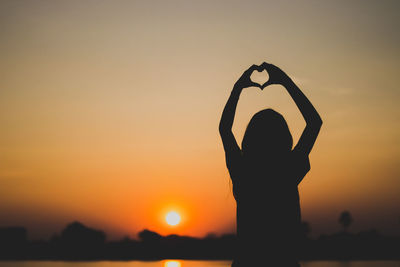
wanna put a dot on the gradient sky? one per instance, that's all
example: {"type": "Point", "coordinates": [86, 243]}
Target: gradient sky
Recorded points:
{"type": "Point", "coordinates": [109, 110]}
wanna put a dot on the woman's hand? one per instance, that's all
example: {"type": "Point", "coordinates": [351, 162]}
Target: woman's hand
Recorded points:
{"type": "Point", "coordinates": [276, 75]}
{"type": "Point", "coordinates": [245, 81]}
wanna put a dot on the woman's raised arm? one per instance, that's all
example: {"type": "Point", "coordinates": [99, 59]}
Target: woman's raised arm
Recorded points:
{"type": "Point", "coordinates": [310, 115]}
{"type": "Point", "coordinates": [228, 115]}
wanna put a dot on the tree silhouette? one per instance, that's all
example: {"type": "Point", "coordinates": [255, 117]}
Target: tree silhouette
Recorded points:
{"type": "Point", "coordinates": [149, 236]}
{"type": "Point", "coordinates": [345, 219]}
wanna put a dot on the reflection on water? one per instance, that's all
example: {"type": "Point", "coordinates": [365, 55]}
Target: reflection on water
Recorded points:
{"type": "Point", "coordinates": [350, 264]}
{"type": "Point", "coordinates": [169, 263]}
{"type": "Point", "coordinates": [187, 263]}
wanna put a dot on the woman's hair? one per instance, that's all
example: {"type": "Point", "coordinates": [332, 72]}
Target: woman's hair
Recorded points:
{"type": "Point", "coordinates": [267, 135]}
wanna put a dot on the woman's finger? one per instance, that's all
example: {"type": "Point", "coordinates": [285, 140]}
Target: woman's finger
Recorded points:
{"type": "Point", "coordinates": [266, 84]}
{"type": "Point", "coordinates": [264, 64]}
{"type": "Point", "coordinates": [251, 69]}
{"type": "Point", "coordinates": [254, 84]}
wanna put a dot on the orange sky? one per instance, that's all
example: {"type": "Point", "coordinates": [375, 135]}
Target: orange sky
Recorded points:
{"type": "Point", "coordinates": [110, 109]}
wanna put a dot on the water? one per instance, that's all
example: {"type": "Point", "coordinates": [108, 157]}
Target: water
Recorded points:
{"type": "Point", "coordinates": [186, 263]}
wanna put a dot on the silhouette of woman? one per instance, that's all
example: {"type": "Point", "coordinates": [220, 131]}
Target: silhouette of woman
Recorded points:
{"type": "Point", "coordinates": [265, 174]}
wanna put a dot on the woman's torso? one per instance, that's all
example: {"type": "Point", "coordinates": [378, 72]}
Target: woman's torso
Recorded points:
{"type": "Point", "coordinates": [268, 208]}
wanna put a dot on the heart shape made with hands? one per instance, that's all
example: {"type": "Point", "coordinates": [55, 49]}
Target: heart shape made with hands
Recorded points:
{"type": "Point", "coordinates": [260, 76]}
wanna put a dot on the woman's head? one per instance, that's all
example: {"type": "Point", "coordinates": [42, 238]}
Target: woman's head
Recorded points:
{"type": "Point", "coordinates": [267, 135]}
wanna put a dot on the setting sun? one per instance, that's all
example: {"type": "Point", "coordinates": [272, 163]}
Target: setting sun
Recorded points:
{"type": "Point", "coordinates": [173, 218]}
{"type": "Point", "coordinates": [172, 264]}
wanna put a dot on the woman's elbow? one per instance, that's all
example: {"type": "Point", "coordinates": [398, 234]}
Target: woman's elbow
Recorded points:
{"type": "Point", "coordinates": [318, 122]}
{"type": "Point", "coordinates": [315, 123]}
{"type": "Point", "coordinates": [223, 128]}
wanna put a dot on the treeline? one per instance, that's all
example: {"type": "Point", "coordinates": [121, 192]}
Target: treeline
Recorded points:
{"type": "Point", "coordinates": [79, 242]}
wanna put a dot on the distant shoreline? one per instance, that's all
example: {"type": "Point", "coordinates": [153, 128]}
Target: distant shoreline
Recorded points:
{"type": "Point", "coordinates": [78, 242]}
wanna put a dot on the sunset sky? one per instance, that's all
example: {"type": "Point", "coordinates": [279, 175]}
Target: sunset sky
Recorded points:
{"type": "Point", "coordinates": [109, 110]}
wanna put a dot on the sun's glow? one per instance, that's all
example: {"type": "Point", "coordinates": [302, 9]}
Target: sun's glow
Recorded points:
{"type": "Point", "coordinates": [172, 264]}
{"type": "Point", "coordinates": [173, 218]}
